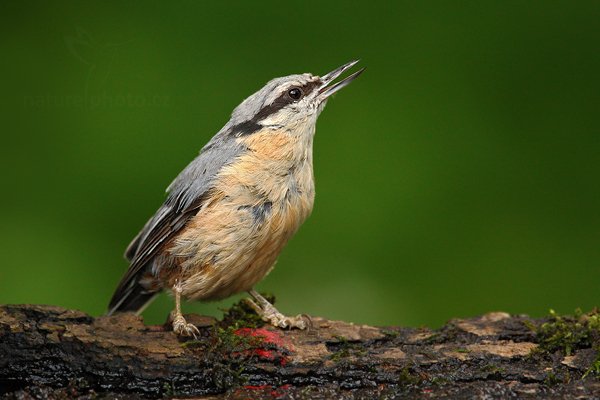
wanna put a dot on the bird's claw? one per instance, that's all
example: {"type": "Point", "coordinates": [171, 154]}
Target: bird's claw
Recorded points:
{"type": "Point", "coordinates": [281, 321]}
{"type": "Point", "coordinates": [270, 314]}
{"type": "Point", "coordinates": [183, 328]}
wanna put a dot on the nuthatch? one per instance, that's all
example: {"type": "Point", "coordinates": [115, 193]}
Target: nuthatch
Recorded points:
{"type": "Point", "coordinates": [230, 212]}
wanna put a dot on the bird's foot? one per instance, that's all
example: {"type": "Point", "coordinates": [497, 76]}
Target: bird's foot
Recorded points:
{"type": "Point", "coordinates": [183, 328]}
{"type": "Point", "coordinates": [270, 314]}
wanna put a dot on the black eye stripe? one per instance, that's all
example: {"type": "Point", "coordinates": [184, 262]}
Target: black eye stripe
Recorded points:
{"type": "Point", "coordinates": [284, 99]}
{"type": "Point", "coordinates": [252, 125]}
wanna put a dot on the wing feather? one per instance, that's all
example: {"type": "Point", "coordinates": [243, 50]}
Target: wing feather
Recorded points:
{"type": "Point", "coordinates": [185, 197]}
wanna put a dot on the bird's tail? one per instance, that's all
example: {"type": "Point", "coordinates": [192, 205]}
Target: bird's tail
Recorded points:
{"type": "Point", "coordinates": [134, 298]}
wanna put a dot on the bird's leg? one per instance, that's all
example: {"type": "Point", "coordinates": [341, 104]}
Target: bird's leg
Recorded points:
{"type": "Point", "coordinates": [180, 326]}
{"type": "Point", "coordinates": [269, 313]}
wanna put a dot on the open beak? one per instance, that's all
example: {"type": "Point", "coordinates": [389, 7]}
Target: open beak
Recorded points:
{"type": "Point", "coordinates": [325, 90]}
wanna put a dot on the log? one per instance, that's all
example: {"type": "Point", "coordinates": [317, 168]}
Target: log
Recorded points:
{"type": "Point", "coordinates": [56, 353]}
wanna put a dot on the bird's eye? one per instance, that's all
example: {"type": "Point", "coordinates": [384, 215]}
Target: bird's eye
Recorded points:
{"type": "Point", "coordinates": [295, 93]}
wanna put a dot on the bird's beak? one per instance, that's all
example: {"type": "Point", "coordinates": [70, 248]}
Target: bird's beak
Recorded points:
{"type": "Point", "coordinates": [325, 90]}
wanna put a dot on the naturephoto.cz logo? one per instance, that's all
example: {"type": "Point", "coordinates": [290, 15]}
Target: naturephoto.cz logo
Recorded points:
{"type": "Point", "coordinates": [98, 59]}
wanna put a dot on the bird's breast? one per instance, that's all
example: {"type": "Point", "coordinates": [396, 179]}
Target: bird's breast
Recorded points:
{"type": "Point", "coordinates": [272, 183]}
{"type": "Point", "coordinates": [256, 205]}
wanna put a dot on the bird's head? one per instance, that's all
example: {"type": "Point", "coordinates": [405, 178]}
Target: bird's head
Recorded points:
{"type": "Point", "coordinates": [291, 103]}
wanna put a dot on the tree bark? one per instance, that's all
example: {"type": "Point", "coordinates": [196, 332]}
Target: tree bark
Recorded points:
{"type": "Point", "coordinates": [51, 352]}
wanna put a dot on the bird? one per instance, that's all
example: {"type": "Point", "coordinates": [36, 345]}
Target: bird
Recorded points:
{"type": "Point", "coordinates": [230, 212]}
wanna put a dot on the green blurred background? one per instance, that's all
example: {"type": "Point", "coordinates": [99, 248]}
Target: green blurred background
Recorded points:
{"type": "Point", "coordinates": [458, 175]}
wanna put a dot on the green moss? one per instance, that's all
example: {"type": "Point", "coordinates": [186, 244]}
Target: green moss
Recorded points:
{"type": "Point", "coordinates": [551, 379]}
{"type": "Point", "coordinates": [229, 353]}
{"type": "Point", "coordinates": [346, 349]}
{"type": "Point", "coordinates": [434, 338]}
{"type": "Point", "coordinates": [226, 375]}
{"type": "Point", "coordinates": [462, 350]}
{"type": "Point", "coordinates": [390, 333]}
{"type": "Point", "coordinates": [193, 344]}
{"type": "Point", "coordinates": [439, 381]}
{"type": "Point", "coordinates": [242, 315]}
{"type": "Point", "coordinates": [226, 340]}
{"type": "Point", "coordinates": [407, 378]}
{"type": "Point", "coordinates": [594, 368]}
{"type": "Point", "coordinates": [168, 390]}
{"type": "Point", "coordinates": [228, 356]}
{"type": "Point", "coordinates": [339, 355]}
{"type": "Point", "coordinates": [568, 333]}
{"type": "Point", "coordinates": [493, 369]}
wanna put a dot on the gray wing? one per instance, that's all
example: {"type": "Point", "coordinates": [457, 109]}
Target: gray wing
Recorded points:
{"type": "Point", "coordinates": [185, 196]}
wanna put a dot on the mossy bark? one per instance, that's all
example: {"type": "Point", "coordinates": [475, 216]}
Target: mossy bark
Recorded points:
{"type": "Point", "coordinates": [51, 352]}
